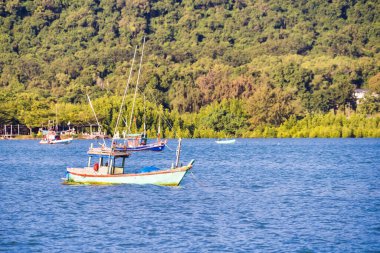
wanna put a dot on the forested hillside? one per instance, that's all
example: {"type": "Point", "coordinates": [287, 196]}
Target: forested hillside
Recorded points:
{"type": "Point", "coordinates": [222, 65]}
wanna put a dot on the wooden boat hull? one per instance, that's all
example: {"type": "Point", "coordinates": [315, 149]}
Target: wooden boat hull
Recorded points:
{"type": "Point", "coordinates": [169, 177]}
{"type": "Point", "coordinates": [64, 141]}
{"type": "Point", "coordinates": [148, 147]}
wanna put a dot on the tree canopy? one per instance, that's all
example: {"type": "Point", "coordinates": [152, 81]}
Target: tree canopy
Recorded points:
{"type": "Point", "coordinates": [275, 59]}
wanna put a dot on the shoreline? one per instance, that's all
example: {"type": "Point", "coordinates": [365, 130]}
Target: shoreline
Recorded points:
{"type": "Point", "coordinates": [28, 137]}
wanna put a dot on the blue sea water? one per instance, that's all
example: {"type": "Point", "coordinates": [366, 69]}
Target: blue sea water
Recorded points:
{"type": "Point", "coordinates": [257, 195]}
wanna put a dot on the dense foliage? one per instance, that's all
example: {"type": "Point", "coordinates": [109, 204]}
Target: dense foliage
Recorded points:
{"type": "Point", "coordinates": [218, 67]}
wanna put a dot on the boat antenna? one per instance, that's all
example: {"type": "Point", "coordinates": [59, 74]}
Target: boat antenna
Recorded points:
{"type": "Point", "coordinates": [159, 127]}
{"type": "Point", "coordinates": [56, 117]}
{"type": "Point", "coordinates": [144, 119]}
{"type": "Point", "coordinates": [178, 152]}
{"type": "Point", "coordinates": [137, 85]}
{"type": "Point", "coordinates": [96, 118]}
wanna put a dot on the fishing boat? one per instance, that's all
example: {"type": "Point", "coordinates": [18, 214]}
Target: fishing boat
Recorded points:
{"type": "Point", "coordinates": [108, 166]}
{"type": "Point", "coordinates": [54, 137]}
{"type": "Point", "coordinates": [225, 141]}
{"type": "Point", "coordinates": [138, 142]}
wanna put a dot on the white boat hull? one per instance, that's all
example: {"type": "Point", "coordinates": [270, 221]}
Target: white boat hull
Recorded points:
{"type": "Point", "coordinates": [170, 177]}
{"type": "Point", "coordinates": [225, 141]}
{"type": "Point", "coordinates": [64, 141]}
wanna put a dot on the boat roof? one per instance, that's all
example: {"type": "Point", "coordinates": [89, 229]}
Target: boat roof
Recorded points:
{"type": "Point", "coordinates": [45, 132]}
{"type": "Point", "coordinates": [107, 152]}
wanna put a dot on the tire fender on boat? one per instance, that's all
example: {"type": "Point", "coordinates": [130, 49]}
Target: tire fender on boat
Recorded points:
{"type": "Point", "coordinates": [96, 166]}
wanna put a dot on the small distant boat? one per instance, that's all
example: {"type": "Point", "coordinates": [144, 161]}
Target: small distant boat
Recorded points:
{"type": "Point", "coordinates": [53, 137]}
{"type": "Point", "coordinates": [108, 167]}
{"type": "Point", "coordinates": [226, 141]}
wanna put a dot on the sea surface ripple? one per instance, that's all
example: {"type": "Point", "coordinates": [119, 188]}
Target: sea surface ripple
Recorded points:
{"type": "Point", "coordinates": [257, 195]}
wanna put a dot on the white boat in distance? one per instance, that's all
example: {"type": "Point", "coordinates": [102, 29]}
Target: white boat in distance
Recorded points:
{"type": "Point", "coordinates": [226, 141]}
{"type": "Point", "coordinates": [53, 137]}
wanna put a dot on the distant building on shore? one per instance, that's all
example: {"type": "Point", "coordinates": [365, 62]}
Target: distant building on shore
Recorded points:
{"type": "Point", "coordinates": [360, 94]}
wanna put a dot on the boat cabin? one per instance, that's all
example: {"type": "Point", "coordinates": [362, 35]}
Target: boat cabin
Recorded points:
{"type": "Point", "coordinates": [50, 135]}
{"type": "Point", "coordinates": [135, 140]}
{"type": "Point", "coordinates": [105, 161]}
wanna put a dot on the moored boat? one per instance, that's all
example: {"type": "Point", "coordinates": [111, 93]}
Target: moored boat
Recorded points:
{"type": "Point", "coordinates": [226, 141]}
{"type": "Point", "coordinates": [138, 142]}
{"type": "Point", "coordinates": [107, 166]}
{"type": "Point", "coordinates": [53, 137]}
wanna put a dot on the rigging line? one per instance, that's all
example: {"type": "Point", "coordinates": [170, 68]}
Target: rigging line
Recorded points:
{"type": "Point", "coordinates": [125, 93]}
{"type": "Point", "coordinates": [96, 118]}
{"type": "Point", "coordinates": [163, 115]}
{"type": "Point", "coordinates": [137, 85]}
{"type": "Point", "coordinates": [169, 147]}
{"type": "Point", "coordinates": [121, 110]}
{"type": "Point", "coordinates": [125, 121]}
{"type": "Point", "coordinates": [197, 181]}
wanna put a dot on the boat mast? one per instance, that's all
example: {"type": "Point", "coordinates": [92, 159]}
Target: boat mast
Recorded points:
{"type": "Point", "coordinates": [178, 153]}
{"type": "Point", "coordinates": [137, 85]}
